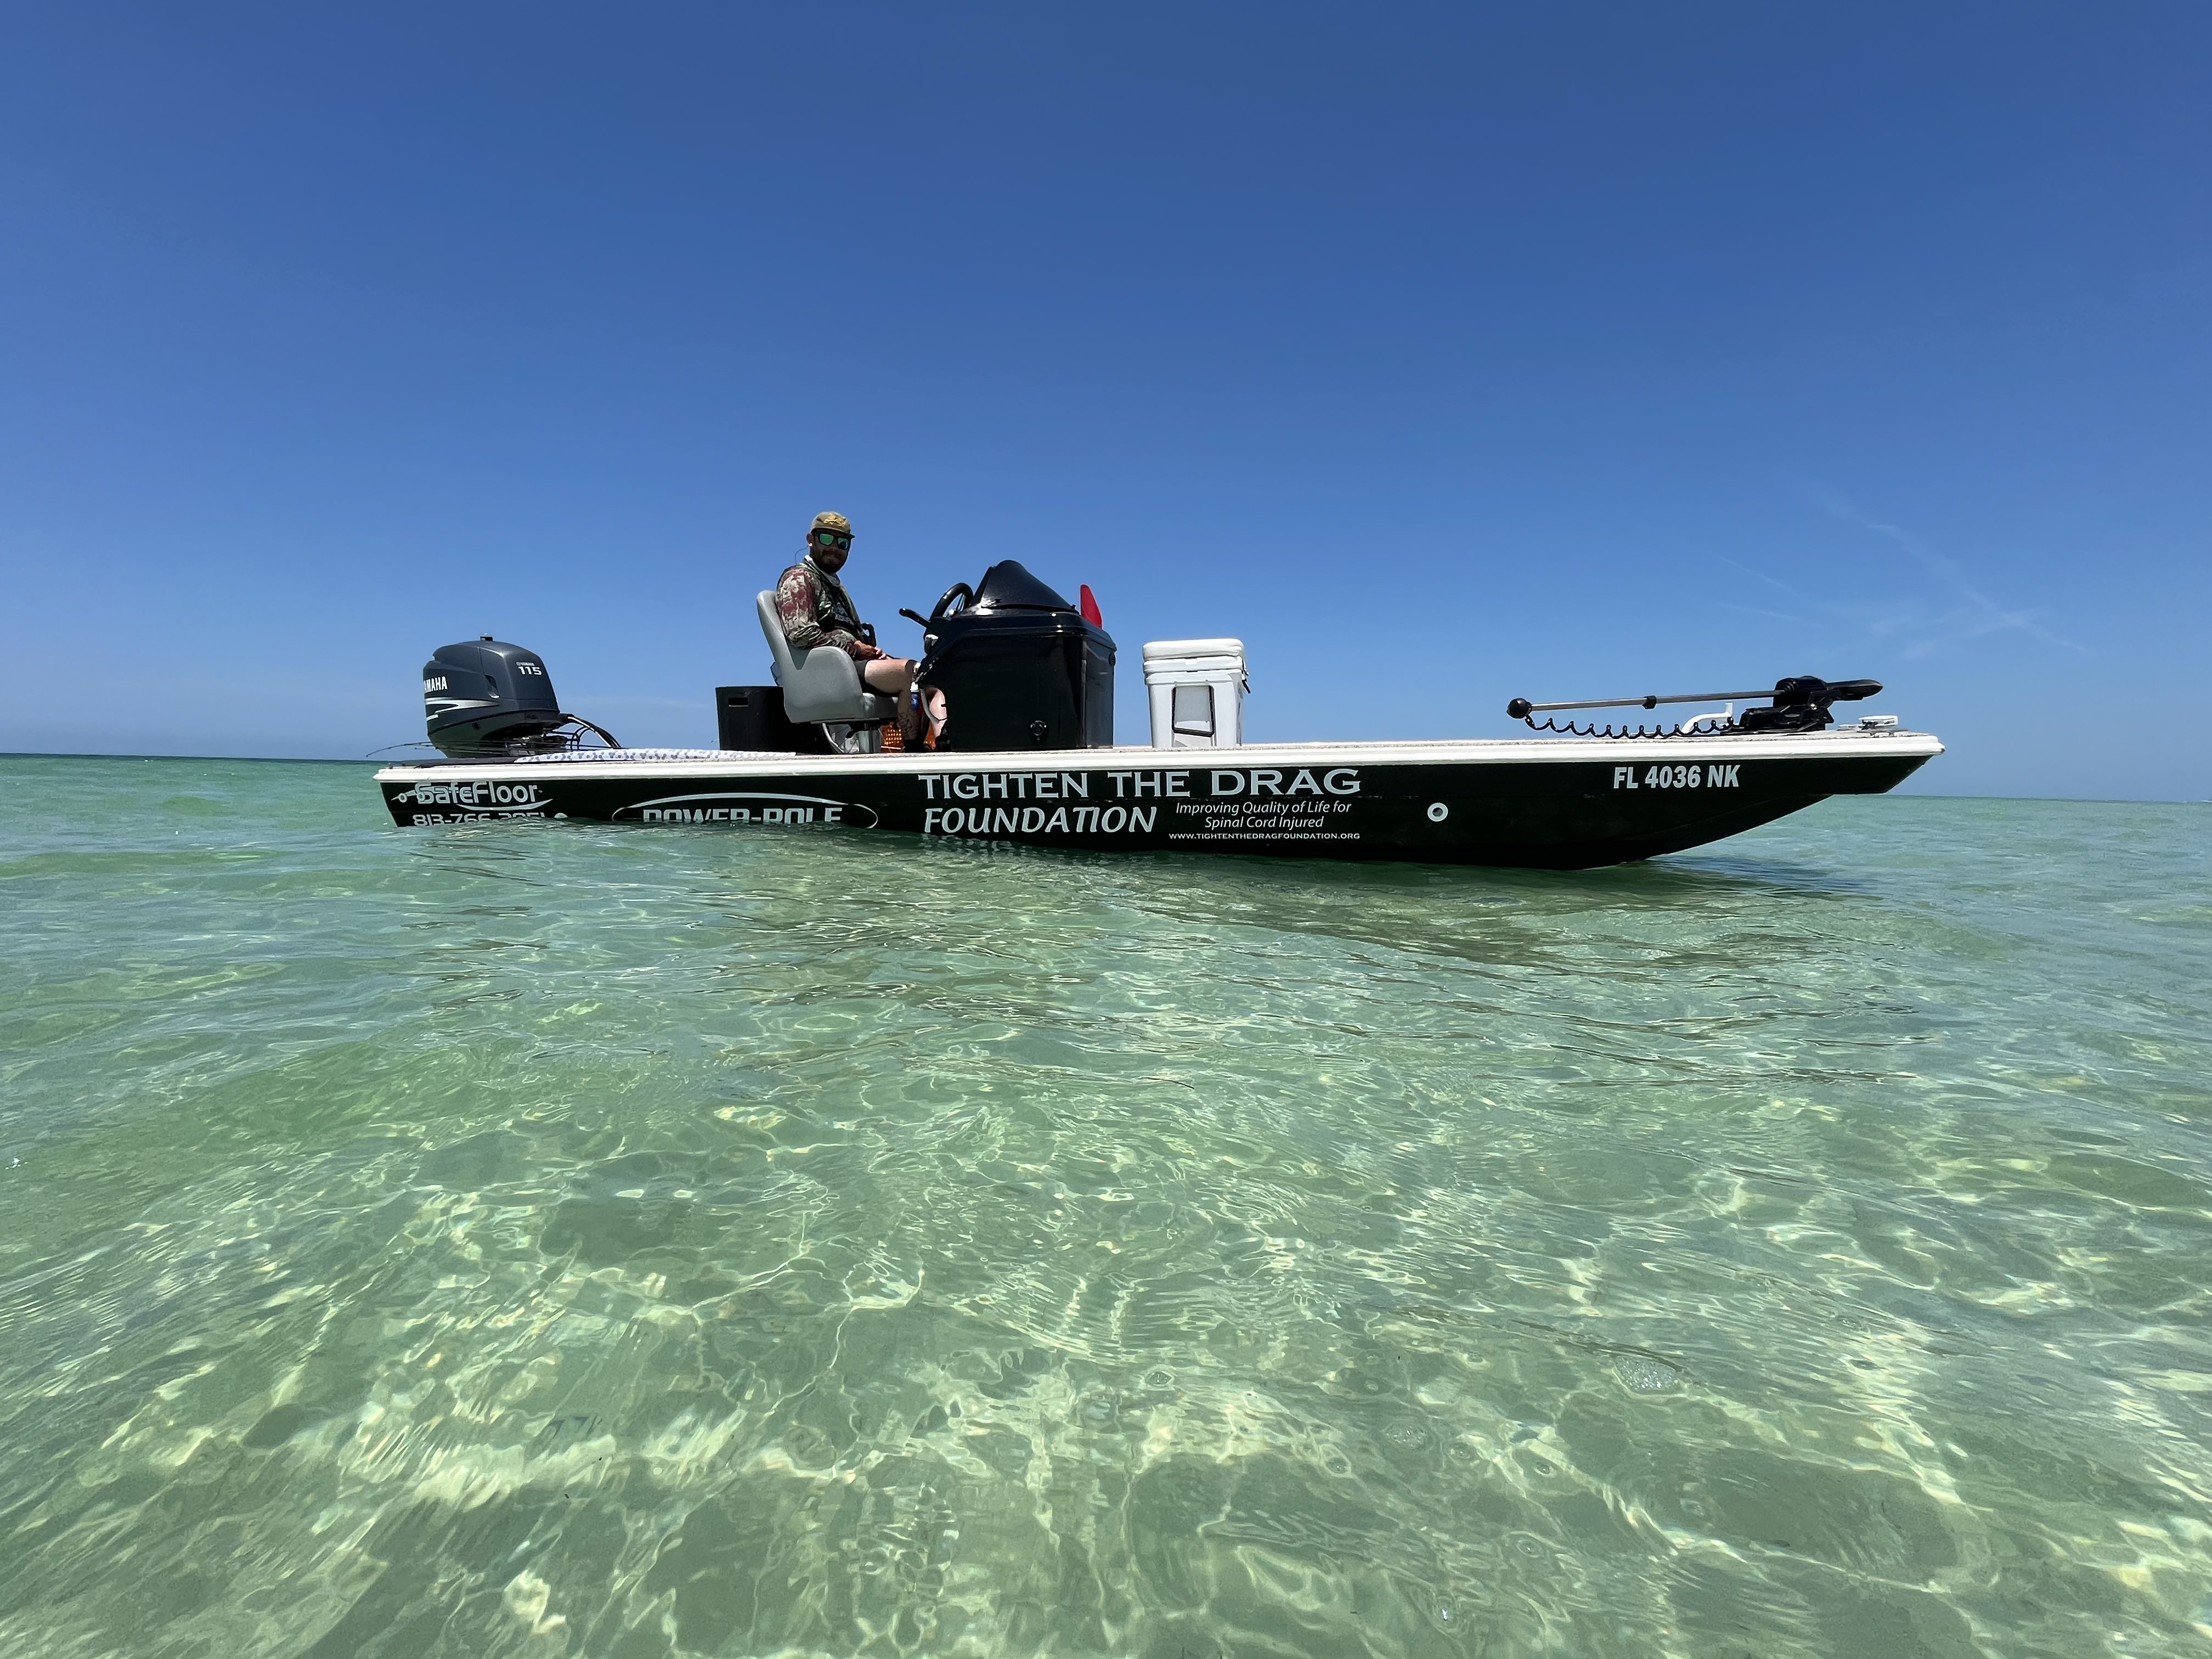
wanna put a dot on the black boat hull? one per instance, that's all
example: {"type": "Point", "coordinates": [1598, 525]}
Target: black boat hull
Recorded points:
{"type": "Point", "coordinates": [1558, 805]}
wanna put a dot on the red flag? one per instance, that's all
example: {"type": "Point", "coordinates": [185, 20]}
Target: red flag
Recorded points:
{"type": "Point", "coordinates": [1089, 607]}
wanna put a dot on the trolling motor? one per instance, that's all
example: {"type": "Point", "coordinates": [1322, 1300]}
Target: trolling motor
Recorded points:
{"type": "Point", "coordinates": [1800, 704]}
{"type": "Point", "coordinates": [485, 697]}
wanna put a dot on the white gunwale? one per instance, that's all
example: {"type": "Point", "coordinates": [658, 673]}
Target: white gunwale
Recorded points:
{"type": "Point", "coordinates": [1837, 743]}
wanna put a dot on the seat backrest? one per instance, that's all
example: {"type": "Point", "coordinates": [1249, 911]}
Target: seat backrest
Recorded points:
{"type": "Point", "coordinates": [786, 670]}
{"type": "Point", "coordinates": [821, 686]}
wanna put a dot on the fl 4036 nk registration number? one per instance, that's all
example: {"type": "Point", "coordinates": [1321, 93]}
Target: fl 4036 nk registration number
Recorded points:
{"type": "Point", "coordinates": [1692, 776]}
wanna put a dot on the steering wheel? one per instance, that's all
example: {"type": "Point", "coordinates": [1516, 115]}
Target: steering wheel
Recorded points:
{"type": "Point", "coordinates": [966, 594]}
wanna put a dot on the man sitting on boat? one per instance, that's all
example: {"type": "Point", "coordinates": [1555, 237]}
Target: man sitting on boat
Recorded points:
{"type": "Point", "coordinates": [816, 611]}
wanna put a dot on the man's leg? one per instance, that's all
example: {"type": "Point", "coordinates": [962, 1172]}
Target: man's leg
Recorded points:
{"type": "Point", "coordinates": [894, 678]}
{"type": "Point", "coordinates": [888, 675]}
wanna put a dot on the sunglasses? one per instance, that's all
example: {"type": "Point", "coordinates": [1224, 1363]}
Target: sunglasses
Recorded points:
{"type": "Point", "coordinates": [831, 538]}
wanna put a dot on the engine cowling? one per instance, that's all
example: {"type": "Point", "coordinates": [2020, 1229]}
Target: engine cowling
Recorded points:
{"type": "Point", "coordinates": [485, 696]}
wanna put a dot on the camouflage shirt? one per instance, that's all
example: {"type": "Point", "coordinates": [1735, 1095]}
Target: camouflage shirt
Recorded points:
{"type": "Point", "coordinates": [815, 610]}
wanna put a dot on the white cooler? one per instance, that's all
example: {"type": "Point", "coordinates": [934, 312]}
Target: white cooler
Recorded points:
{"type": "Point", "coordinates": [1197, 688]}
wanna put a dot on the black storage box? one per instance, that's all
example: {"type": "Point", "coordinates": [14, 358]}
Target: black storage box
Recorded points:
{"type": "Point", "coordinates": [1020, 668]}
{"type": "Point", "coordinates": [752, 717]}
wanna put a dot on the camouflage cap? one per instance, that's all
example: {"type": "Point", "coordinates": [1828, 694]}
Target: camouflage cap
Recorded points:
{"type": "Point", "coordinates": [836, 521]}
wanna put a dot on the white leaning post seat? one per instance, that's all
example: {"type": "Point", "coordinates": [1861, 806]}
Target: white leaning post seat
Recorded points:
{"type": "Point", "coordinates": [1197, 689]}
{"type": "Point", "coordinates": [822, 685]}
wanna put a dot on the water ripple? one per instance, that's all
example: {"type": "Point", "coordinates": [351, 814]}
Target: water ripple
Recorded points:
{"type": "Point", "coordinates": [545, 1239]}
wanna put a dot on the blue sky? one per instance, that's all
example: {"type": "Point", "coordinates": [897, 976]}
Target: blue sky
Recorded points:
{"type": "Point", "coordinates": [1444, 354]}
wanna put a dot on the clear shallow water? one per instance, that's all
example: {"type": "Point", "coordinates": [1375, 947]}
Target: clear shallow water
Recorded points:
{"type": "Point", "coordinates": [544, 1239]}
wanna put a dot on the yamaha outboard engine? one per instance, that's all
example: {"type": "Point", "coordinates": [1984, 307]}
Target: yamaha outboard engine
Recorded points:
{"type": "Point", "coordinates": [487, 697]}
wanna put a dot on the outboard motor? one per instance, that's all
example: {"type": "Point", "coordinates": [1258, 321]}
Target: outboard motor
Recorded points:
{"type": "Point", "coordinates": [487, 697]}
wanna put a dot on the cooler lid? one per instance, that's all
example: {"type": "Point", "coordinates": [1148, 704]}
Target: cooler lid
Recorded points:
{"type": "Point", "coordinates": [1165, 650]}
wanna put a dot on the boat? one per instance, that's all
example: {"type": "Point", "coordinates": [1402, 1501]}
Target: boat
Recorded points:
{"type": "Point", "coordinates": [1026, 756]}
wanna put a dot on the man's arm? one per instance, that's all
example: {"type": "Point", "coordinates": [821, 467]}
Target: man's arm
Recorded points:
{"type": "Point", "coordinates": [798, 601]}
